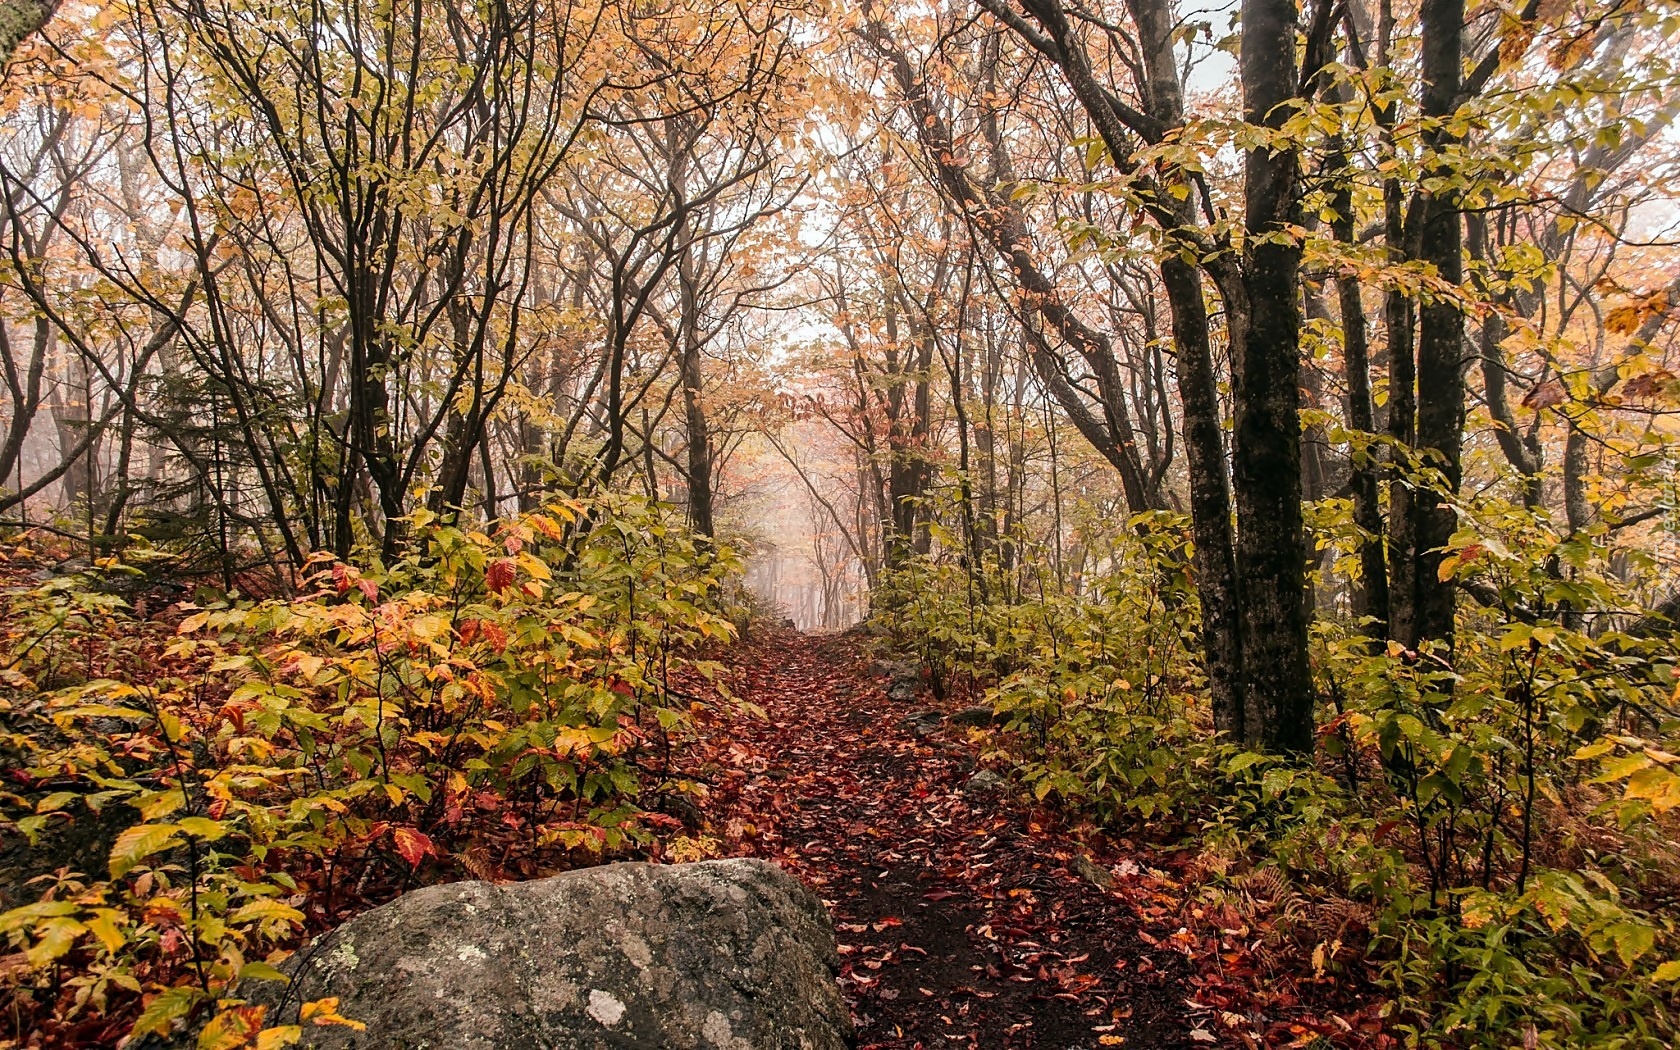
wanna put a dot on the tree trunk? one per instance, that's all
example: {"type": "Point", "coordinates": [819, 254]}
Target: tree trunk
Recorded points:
{"type": "Point", "coordinates": [1266, 449]}
{"type": "Point", "coordinates": [693, 385]}
{"type": "Point", "coordinates": [19, 20]}
{"type": "Point", "coordinates": [1198, 390]}
{"type": "Point", "coordinates": [1440, 371]}
{"type": "Point", "coordinates": [1371, 595]}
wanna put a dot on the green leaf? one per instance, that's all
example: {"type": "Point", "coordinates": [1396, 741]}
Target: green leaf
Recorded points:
{"type": "Point", "coordinates": [1243, 761]}
{"type": "Point", "coordinates": [32, 826]}
{"type": "Point", "coordinates": [160, 1014]}
{"type": "Point", "coordinates": [261, 971]}
{"type": "Point", "coordinates": [28, 914]}
{"type": "Point", "coordinates": [1621, 768]}
{"type": "Point", "coordinates": [56, 936]}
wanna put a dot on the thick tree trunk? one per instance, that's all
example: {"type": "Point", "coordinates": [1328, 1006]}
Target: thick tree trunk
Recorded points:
{"type": "Point", "coordinates": [1440, 373]}
{"type": "Point", "coordinates": [1402, 421]}
{"type": "Point", "coordinates": [1198, 390]}
{"type": "Point", "coordinates": [1266, 448]}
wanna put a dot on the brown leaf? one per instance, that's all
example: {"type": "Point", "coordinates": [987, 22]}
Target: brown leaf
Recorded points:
{"type": "Point", "coordinates": [1626, 318]}
{"type": "Point", "coordinates": [1651, 385]}
{"type": "Point", "coordinates": [1546, 395]}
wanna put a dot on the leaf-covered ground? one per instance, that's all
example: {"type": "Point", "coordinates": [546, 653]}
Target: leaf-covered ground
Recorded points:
{"type": "Point", "coordinates": [967, 918]}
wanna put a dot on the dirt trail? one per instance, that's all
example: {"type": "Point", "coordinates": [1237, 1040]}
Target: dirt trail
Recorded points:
{"type": "Point", "coordinates": [959, 919]}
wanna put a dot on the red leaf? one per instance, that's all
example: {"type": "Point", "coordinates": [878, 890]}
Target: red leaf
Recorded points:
{"type": "Point", "coordinates": [413, 846]}
{"type": "Point", "coordinates": [498, 575]}
{"type": "Point", "coordinates": [341, 577]}
{"type": "Point", "coordinates": [369, 589]}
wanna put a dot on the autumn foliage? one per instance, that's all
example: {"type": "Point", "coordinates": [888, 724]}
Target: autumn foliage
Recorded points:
{"type": "Point", "coordinates": [493, 706]}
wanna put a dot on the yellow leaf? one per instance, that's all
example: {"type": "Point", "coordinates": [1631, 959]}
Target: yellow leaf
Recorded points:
{"type": "Point", "coordinates": [279, 1036]}
{"type": "Point", "coordinates": [232, 1029]}
{"type": "Point", "coordinates": [57, 936]}
{"type": "Point", "coordinates": [265, 909]}
{"type": "Point", "coordinates": [103, 925]}
{"type": "Point", "coordinates": [203, 828]}
{"type": "Point", "coordinates": [325, 1011]}
{"type": "Point", "coordinates": [535, 567]}
{"type": "Point", "coordinates": [159, 805]}
{"type": "Point", "coordinates": [139, 842]}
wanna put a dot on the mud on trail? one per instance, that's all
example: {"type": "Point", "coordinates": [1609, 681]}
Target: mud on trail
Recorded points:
{"type": "Point", "coordinates": [962, 921]}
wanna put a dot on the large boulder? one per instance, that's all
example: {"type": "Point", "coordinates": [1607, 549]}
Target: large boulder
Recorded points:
{"type": "Point", "coordinates": [727, 954]}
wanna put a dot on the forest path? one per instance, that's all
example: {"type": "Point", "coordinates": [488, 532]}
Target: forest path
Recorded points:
{"type": "Point", "coordinates": [960, 921]}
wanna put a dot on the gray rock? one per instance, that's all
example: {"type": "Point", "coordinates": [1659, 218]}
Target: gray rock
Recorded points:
{"type": "Point", "coordinates": [720, 955]}
{"type": "Point", "coordinates": [901, 691]}
{"type": "Point", "coordinates": [973, 716]}
{"type": "Point", "coordinates": [898, 670]}
{"type": "Point", "coordinates": [923, 723]}
{"type": "Point", "coordinates": [1092, 872]}
{"type": "Point", "coordinates": [961, 759]}
{"type": "Point", "coordinates": [984, 783]}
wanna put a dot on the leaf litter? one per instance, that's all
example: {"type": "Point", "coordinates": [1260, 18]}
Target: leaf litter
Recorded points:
{"type": "Point", "coordinates": [972, 919]}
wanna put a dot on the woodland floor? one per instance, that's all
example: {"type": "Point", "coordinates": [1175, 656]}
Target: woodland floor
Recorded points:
{"type": "Point", "coordinates": [970, 918]}
{"type": "Point", "coordinates": [962, 921]}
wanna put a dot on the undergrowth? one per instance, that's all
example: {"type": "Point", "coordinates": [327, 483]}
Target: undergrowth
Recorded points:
{"type": "Point", "coordinates": [1491, 827]}
{"type": "Point", "coordinates": [498, 705]}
